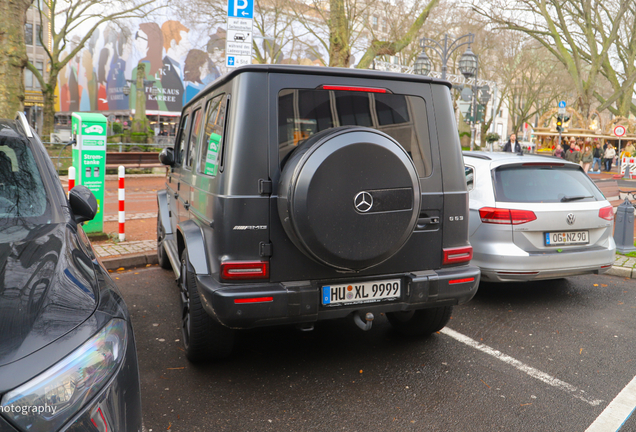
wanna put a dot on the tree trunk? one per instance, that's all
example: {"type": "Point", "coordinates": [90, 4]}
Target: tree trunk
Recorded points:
{"type": "Point", "coordinates": [13, 55]}
{"type": "Point", "coordinates": [48, 110]}
{"type": "Point", "coordinates": [339, 49]}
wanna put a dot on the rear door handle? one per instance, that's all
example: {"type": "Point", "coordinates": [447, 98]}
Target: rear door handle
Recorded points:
{"type": "Point", "coordinates": [176, 195]}
{"type": "Point", "coordinates": [186, 205]}
{"type": "Point", "coordinates": [422, 222]}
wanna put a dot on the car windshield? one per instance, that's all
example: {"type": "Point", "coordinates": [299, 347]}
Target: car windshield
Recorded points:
{"type": "Point", "coordinates": [22, 193]}
{"type": "Point", "coordinates": [544, 184]}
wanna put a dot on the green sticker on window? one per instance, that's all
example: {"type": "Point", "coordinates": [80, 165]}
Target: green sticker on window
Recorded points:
{"type": "Point", "coordinates": [212, 158]}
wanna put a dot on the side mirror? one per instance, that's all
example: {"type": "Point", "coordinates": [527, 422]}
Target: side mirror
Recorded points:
{"type": "Point", "coordinates": [83, 204]}
{"type": "Point", "coordinates": [166, 157]}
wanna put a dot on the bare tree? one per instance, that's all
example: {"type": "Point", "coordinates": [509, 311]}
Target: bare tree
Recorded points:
{"type": "Point", "coordinates": [580, 34]}
{"type": "Point", "coordinates": [76, 17]}
{"type": "Point", "coordinates": [400, 39]}
{"type": "Point", "coordinates": [14, 56]}
{"type": "Point", "coordinates": [620, 67]}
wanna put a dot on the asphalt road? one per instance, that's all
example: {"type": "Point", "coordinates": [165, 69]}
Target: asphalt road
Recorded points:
{"type": "Point", "coordinates": [534, 357]}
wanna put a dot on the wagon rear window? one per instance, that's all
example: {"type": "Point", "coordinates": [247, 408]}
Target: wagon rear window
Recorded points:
{"type": "Point", "coordinates": [302, 113]}
{"type": "Point", "coordinates": [536, 184]}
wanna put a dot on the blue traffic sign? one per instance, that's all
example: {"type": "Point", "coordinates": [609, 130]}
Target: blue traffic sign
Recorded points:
{"type": "Point", "coordinates": [230, 60]}
{"type": "Point", "coordinates": [561, 104]}
{"type": "Point", "coordinates": [240, 8]}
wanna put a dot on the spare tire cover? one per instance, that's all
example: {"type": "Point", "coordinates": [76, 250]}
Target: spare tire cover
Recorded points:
{"type": "Point", "coordinates": [349, 197]}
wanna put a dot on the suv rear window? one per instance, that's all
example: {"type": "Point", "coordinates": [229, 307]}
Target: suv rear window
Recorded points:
{"type": "Point", "coordinates": [302, 113]}
{"type": "Point", "coordinates": [543, 184]}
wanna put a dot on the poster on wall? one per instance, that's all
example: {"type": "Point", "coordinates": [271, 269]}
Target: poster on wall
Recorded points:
{"type": "Point", "coordinates": [175, 64]}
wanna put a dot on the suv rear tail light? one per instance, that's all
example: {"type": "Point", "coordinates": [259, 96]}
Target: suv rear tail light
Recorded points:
{"type": "Point", "coordinates": [245, 270]}
{"type": "Point", "coordinates": [457, 255]}
{"type": "Point", "coordinates": [606, 213]}
{"type": "Point", "coordinates": [506, 216]}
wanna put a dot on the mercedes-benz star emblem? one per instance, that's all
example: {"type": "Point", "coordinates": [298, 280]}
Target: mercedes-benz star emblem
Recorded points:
{"type": "Point", "coordinates": [363, 202]}
{"type": "Point", "coordinates": [571, 218]}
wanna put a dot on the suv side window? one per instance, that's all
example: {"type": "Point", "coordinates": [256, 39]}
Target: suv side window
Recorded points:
{"type": "Point", "coordinates": [183, 130]}
{"type": "Point", "coordinates": [212, 143]}
{"type": "Point", "coordinates": [194, 137]}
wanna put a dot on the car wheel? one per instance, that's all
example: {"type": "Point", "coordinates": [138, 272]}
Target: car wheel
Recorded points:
{"type": "Point", "coordinates": [162, 256]}
{"type": "Point", "coordinates": [349, 197]}
{"type": "Point", "coordinates": [204, 338]}
{"type": "Point", "coordinates": [422, 322]}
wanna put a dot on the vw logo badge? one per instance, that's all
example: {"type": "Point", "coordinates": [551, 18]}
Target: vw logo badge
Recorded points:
{"type": "Point", "coordinates": [363, 202]}
{"type": "Point", "coordinates": [571, 218]}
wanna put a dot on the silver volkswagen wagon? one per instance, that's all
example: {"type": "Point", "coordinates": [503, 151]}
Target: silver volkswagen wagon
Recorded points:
{"type": "Point", "coordinates": [536, 217]}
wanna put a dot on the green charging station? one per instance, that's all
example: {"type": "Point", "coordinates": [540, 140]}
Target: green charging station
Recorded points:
{"type": "Point", "coordinates": [89, 160]}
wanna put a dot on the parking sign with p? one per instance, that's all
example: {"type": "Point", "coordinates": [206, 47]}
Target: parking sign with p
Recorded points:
{"type": "Point", "coordinates": [240, 8]}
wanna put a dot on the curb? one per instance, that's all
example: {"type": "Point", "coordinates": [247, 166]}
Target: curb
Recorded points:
{"type": "Point", "coordinates": [625, 272]}
{"type": "Point", "coordinates": [133, 260]}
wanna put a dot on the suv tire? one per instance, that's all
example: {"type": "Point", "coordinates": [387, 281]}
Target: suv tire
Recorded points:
{"type": "Point", "coordinates": [162, 256]}
{"type": "Point", "coordinates": [422, 322]}
{"type": "Point", "coordinates": [204, 338]}
{"type": "Point", "coordinates": [349, 197]}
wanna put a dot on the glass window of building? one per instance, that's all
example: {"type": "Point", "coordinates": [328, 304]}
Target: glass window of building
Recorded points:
{"type": "Point", "coordinates": [28, 78]}
{"type": "Point", "coordinates": [28, 34]}
{"type": "Point", "coordinates": [38, 35]}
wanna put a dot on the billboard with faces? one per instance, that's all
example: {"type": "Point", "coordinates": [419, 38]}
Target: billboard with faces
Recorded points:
{"type": "Point", "coordinates": [177, 62]}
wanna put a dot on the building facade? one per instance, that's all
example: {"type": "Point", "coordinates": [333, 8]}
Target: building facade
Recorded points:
{"type": "Point", "coordinates": [36, 36]}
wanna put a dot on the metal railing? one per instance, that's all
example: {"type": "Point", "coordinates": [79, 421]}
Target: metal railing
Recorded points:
{"type": "Point", "coordinates": [119, 147]}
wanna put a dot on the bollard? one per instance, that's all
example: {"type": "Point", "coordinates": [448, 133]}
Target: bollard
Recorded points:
{"type": "Point", "coordinates": [71, 178]}
{"type": "Point", "coordinates": [122, 198]}
{"type": "Point", "coordinates": [624, 228]}
{"type": "Point", "coordinates": [627, 169]}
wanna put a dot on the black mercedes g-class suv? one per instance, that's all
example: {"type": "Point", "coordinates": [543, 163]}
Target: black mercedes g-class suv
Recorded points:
{"type": "Point", "coordinates": [299, 194]}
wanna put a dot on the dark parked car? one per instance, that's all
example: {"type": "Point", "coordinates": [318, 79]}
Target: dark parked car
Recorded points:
{"type": "Point", "coordinates": [67, 351]}
{"type": "Point", "coordinates": [300, 194]}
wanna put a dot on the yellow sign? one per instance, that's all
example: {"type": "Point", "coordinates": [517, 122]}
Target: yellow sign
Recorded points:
{"type": "Point", "coordinates": [33, 98]}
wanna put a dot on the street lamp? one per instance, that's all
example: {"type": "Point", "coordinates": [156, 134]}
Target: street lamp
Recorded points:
{"type": "Point", "coordinates": [422, 64]}
{"type": "Point", "coordinates": [468, 64]}
{"type": "Point", "coordinates": [444, 49]}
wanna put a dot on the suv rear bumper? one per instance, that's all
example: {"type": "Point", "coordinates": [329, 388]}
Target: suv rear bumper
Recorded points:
{"type": "Point", "coordinates": [300, 301]}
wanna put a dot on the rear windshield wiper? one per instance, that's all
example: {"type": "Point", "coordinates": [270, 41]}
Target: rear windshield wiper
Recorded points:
{"type": "Point", "coordinates": [575, 198]}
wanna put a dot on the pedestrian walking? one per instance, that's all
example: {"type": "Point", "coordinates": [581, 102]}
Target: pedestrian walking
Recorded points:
{"type": "Point", "coordinates": [586, 158]}
{"type": "Point", "coordinates": [559, 152]}
{"type": "Point", "coordinates": [609, 155]}
{"type": "Point", "coordinates": [597, 155]}
{"type": "Point", "coordinates": [512, 145]}
{"type": "Point", "coordinates": [629, 149]}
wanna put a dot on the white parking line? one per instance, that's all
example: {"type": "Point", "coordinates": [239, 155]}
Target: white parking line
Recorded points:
{"type": "Point", "coordinates": [617, 412]}
{"type": "Point", "coordinates": [535, 373]}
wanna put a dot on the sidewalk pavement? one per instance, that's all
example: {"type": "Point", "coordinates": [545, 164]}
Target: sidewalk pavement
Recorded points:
{"type": "Point", "coordinates": [126, 254]}
{"type": "Point", "coordinates": [623, 267]}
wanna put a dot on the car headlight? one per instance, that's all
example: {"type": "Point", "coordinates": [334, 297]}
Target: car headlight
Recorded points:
{"type": "Point", "coordinates": [47, 401]}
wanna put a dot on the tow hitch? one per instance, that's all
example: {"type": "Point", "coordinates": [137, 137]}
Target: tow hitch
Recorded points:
{"type": "Point", "coordinates": [366, 324]}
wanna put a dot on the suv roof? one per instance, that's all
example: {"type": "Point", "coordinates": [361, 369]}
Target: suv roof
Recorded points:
{"type": "Point", "coordinates": [321, 70]}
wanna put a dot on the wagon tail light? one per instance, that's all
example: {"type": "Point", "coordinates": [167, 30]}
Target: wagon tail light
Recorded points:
{"type": "Point", "coordinates": [234, 270]}
{"type": "Point", "coordinates": [606, 213]}
{"type": "Point", "coordinates": [457, 255]}
{"type": "Point", "coordinates": [505, 216]}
